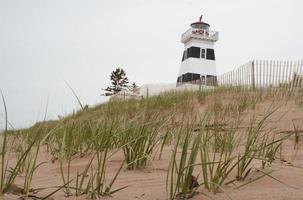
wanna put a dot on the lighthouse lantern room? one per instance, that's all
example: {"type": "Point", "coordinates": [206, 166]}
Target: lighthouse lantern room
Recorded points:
{"type": "Point", "coordinates": [198, 61]}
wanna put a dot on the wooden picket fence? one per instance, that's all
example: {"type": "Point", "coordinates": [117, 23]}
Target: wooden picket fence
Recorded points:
{"type": "Point", "coordinates": [265, 73]}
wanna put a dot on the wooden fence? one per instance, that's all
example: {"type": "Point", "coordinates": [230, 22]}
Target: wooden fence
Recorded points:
{"type": "Point", "coordinates": [265, 73]}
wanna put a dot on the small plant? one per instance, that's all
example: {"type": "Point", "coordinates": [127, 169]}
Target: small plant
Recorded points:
{"type": "Point", "coordinates": [166, 139]}
{"type": "Point", "coordinates": [3, 184]}
{"type": "Point", "coordinates": [96, 185]}
{"type": "Point", "coordinates": [267, 150]}
{"type": "Point", "coordinates": [297, 136]}
{"type": "Point", "coordinates": [9, 173]}
{"type": "Point", "coordinates": [216, 166]}
{"type": "Point", "coordinates": [66, 152]}
{"type": "Point", "coordinates": [139, 140]}
{"type": "Point", "coordinates": [180, 181]}
{"type": "Point", "coordinates": [30, 167]}
{"type": "Point", "coordinates": [257, 146]}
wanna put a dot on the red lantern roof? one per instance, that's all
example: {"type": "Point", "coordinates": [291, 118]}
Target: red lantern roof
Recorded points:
{"type": "Point", "coordinates": [200, 22]}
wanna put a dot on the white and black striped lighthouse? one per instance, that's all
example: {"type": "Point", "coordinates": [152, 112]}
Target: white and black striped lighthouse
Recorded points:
{"type": "Point", "coordinates": [198, 62]}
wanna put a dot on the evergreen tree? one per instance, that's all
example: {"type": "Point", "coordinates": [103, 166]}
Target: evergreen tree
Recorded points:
{"type": "Point", "coordinates": [134, 88]}
{"type": "Point", "coordinates": [119, 82]}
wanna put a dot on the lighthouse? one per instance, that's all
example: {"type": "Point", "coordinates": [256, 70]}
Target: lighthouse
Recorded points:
{"type": "Point", "coordinates": [198, 63]}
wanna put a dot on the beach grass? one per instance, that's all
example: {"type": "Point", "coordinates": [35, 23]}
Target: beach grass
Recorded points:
{"type": "Point", "coordinates": [214, 136]}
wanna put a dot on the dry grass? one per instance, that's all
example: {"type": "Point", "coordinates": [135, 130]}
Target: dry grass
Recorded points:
{"type": "Point", "coordinates": [219, 132]}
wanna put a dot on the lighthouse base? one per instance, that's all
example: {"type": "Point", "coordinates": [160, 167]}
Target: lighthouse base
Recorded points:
{"type": "Point", "coordinates": [194, 78]}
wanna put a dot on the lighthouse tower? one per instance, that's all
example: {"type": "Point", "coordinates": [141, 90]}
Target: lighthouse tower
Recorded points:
{"type": "Point", "coordinates": [198, 61]}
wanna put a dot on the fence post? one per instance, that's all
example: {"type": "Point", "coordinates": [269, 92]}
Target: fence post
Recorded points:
{"type": "Point", "coordinates": [289, 73]}
{"type": "Point", "coordinates": [260, 73]}
{"type": "Point", "coordinates": [293, 75]}
{"type": "Point", "coordinates": [253, 75]}
{"type": "Point", "coordinates": [147, 92]}
{"type": "Point", "coordinates": [270, 74]}
{"type": "Point", "coordinates": [301, 74]}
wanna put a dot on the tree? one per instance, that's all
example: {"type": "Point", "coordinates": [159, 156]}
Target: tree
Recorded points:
{"type": "Point", "coordinates": [134, 88]}
{"type": "Point", "coordinates": [119, 82]}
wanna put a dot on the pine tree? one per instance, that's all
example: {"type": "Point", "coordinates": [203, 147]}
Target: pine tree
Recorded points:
{"type": "Point", "coordinates": [119, 82]}
{"type": "Point", "coordinates": [134, 88]}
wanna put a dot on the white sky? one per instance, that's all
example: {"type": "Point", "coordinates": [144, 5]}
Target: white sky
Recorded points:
{"type": "Point", "coordinates": [43, 42]}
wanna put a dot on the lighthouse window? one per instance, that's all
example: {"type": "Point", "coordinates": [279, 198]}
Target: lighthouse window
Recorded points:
{"type": "Point", "coordinates": [210, 54]}
{"type": "Point", "coordinates": [193, 52]}
{"type": "Point", "coordinates": [203, 53]}
{"type": "Point", "coordinates": [184, 55]}
{"type": "Point", "coordinates": [190, 77]}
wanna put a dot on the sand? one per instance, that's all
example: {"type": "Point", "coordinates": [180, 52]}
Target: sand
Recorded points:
{"type": "Point", "coordinates": [150, 183]}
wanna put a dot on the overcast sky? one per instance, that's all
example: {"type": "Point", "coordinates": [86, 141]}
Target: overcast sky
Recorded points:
{"type": "Point", "coordinates": [43, 42]}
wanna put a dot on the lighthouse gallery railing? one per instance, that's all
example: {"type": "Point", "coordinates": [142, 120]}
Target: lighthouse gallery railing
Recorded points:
{"type": "Point", "coordinates": [200, 34]}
